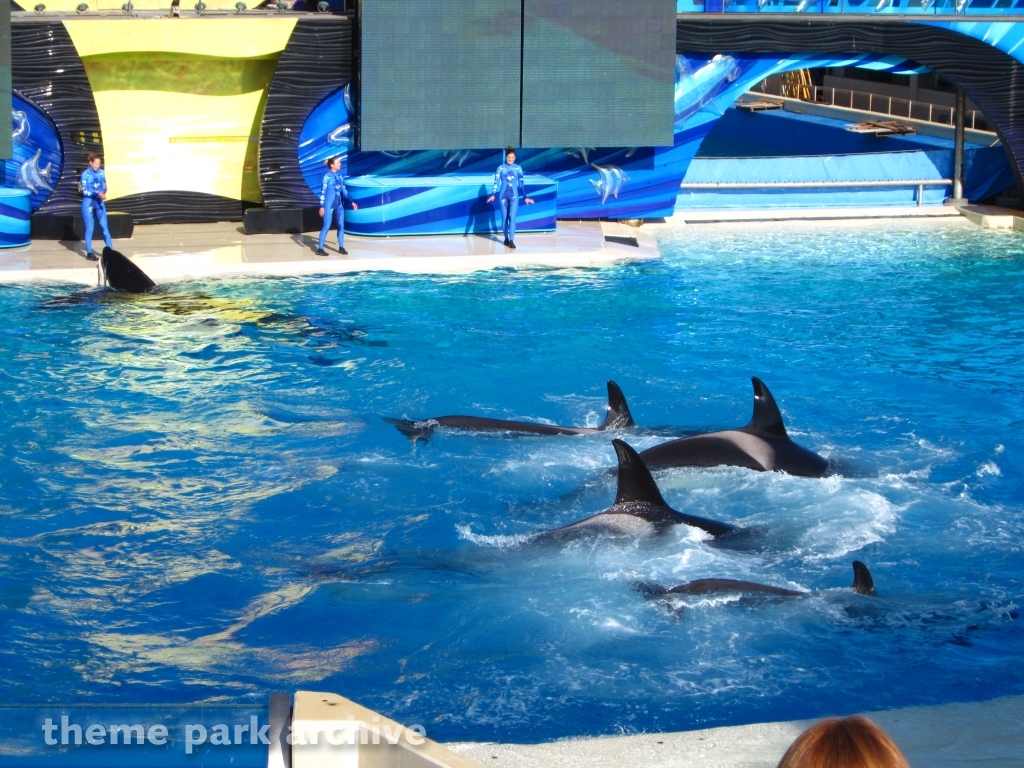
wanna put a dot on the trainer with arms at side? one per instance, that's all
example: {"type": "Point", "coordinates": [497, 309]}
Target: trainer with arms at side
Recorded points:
{"type": "Point", "coordinates": [333, 195]}
{"type": "Point", "coordinates": [508, 186]}
{"type": "Point", "coordinates": [93, 186]}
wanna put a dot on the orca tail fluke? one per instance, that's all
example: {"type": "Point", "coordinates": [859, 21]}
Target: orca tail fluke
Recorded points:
{"type": "Point", "coordinates": [767, 417]}
{"type": "Point", "coordinates": [648, 589]}
{"type": "Point", "coordinates": [123, 274]}
{"type": "Point", "coordinates": [862, 581]}
{"type": "Point", "coordinates": [618, 416]}
{"type": "Point", "coordinates": [635, 481]}
{"type": "Point", "coordinates": [656, 592]}
{"type": "Point", "coordinates": [414, 430]}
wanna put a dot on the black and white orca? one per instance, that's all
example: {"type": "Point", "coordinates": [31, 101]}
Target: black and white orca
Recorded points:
{"type": "Point", "coordinates": [762, 445]}
{"type": "Point", "coordinates": [123, 274]}
{"type": "Point", "coordinates": [617, 417]}
{"type": "Point", "coordinates": [639, 509]}
{"type": "Point", "coordinates": [862, 584]}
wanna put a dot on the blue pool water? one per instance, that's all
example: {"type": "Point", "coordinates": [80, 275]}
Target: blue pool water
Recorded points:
{"type": "Point", "coordinates": [200, 500]}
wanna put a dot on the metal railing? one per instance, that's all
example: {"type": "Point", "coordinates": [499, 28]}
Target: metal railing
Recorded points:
{"type": "Point", "coordinates": [919, 183]}
{"type": "Point", "coordinates": [857, 7]}
{"type": "Point", "coordinates": [892, 106]}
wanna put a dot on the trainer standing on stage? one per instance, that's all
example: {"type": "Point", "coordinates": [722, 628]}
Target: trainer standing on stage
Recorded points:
{"type": "Point", "coordinates": [93, 186]}
{"type": "Point", "coordinates": [508, 186]}
{"type": "Point", "coordinates": [333, 195]}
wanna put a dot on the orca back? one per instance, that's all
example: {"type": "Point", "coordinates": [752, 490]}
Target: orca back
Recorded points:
{"type": "Point", "coordinates": [123, 274]}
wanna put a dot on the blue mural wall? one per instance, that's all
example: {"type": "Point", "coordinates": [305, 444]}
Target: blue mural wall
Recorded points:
{"type": "Point", "coordinates": [326, 133]}
{"type": "Point", "coordinates": [593, 182]}
{"type": "Point", "coordinates": [1006, 36]}
{"type": "Point", "coordinates": [443, 205]}
{"type": "Point", "coordinates": [38, 156]}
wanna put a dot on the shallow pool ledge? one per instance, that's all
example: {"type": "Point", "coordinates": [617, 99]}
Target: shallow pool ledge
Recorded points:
{"type": "Point", "coordinates": [175, 252]}
{"type": "Point", "coordinates": [992, 217]}
{"type": "Point", "coordinates": [942, 736]}
{"type": "Point", "coordinates": [330, 731]}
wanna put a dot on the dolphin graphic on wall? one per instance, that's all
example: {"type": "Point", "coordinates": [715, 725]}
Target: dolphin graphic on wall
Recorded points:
{"type": "Point", "coordinates": [611, 182]}
{"type": "Point", "coordinates": [341, 136]}
{"type": "Point", "coordinates": [20, 129]}
{"type": "Point", "coordinates": [32, 177]}
{"type": "Point", "coordinates": [581, 152]}
{"type": "Point", "coordinates": [695, 90]}
{"type": "Point", "coordinates": [459, 157]}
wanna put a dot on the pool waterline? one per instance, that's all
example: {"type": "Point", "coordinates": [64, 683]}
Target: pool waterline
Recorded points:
{"type": "Point", "coordinates": [200, 498]}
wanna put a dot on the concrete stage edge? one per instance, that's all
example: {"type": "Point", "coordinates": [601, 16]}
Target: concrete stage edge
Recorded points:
{"type": "Point", "coordinates": [175, 252]}
{"type": "Point", "coordinates": [989, 733]}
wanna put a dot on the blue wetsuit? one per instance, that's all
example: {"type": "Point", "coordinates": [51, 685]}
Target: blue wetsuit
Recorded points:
{"type": "Point", "coordinates": [333, 195]}
{"type": "Point", "coordinates": [90, 185]}
{"type": "Point", "coordinates": [508, 186]}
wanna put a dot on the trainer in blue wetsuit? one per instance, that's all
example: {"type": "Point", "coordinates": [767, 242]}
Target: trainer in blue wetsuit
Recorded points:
{"type": "Point", "coordinates": [93, 186]}
{"type": "Point", "coordinates": [333, 195]}
{"type": "Point", "coordinates": [508, 186]}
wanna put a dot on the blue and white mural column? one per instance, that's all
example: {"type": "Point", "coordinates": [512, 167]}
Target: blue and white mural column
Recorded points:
{"type": "Point", "coordinates": [15, 218]}
{"type": "Point", "coordinates": [38, 155]}
{"type": "Point", "coordinates": [28, 177]}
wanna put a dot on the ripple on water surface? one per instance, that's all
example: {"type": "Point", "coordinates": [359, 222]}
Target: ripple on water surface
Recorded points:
{"type": "Point", "coordinates": [200, 498]}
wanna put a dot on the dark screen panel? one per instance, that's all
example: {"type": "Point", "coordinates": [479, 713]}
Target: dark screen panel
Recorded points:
{"type": "Point", "coordinates": [6, 148]}
{"type": "Point", "coordinates": [439, 75]}
{"type": "Point", "coordinates": [598, 73]}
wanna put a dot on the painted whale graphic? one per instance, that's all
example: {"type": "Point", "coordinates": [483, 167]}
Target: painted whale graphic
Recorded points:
{"type": "Point", "coordinates": [611, 182]}
{"type": "Point", "coordinates": [32, 177]}
{"type": "Point", "coordinates": [581, 152]}
{"type": "Point", "coordinates": [341, 137]}
{"type": "Point", "coordinates": [20, 129]}
{"type": "Point", "coordinates": [695, 90]}
{"type": "Point", "coordinates": [459, 157]}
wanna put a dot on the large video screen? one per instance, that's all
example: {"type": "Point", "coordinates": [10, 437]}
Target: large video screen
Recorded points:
{"type": "Point", "coordinates": [598, 73]}
{"type": "Point", "coordinates": [6, 144]}
{"type": "Point", "coordinates": [439, 75]}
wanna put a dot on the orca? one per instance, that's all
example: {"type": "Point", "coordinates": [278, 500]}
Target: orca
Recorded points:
{"type": "Point", "coordinates": [762, 445]}
{"type": "Point", "coordinates": [618, 417]}
{"type": "Point", "coordinates": [639, 508]}
{"type": "Point", "coordinates": [123, 274]}
{"type": "Point", "coordinates": [862, 584]}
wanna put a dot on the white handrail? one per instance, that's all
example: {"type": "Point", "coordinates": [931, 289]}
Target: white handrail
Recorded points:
{"type": "Point", "coordinates": [814, 90]}
{"type": "Point", "coordinates": [813, 184]}
{"type": "Point", "coordinates": [919, 183]}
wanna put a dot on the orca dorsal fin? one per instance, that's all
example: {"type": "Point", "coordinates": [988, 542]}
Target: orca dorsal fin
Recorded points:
{"type": "Point", "coordinates": [123, 274]}
{"type": "Point", "coordinates": [635, 481]}
{"type": "Point", "coordinates": [862, 581]}
{"type": "Point", "coordinates": [766, 416]}
{"type": "Point", "coordinates": [618, 416]}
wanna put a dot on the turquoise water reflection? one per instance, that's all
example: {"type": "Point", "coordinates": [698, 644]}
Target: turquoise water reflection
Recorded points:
{"type": "Point", "coordinates": [200, 499]}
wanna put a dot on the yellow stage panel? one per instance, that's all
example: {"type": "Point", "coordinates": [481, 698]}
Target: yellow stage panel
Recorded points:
{"type": "Point", "coordinates": [239, 37]}
{"type": "Point", "coordinates": [179, 72]}
{"type": "Point", "coordinates": [181, 101]}
{"type": "Point", "coordinates": [143, 5]}
{"type": "Point", "coordinates": [161, 141]}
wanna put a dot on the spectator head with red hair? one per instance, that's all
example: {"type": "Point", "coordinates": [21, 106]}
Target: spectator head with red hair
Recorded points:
{"type": "Point", "coordinates": [853, 742]}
